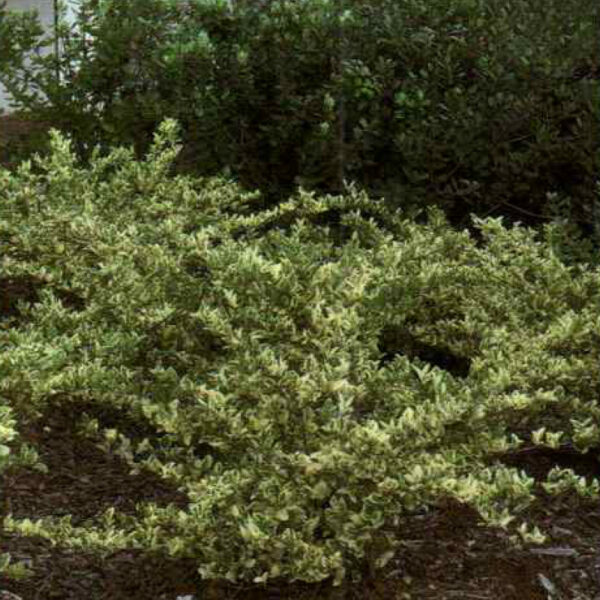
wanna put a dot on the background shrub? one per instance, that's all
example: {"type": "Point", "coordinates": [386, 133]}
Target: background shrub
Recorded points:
{"type": "Point", "coordinates": [469, 105]}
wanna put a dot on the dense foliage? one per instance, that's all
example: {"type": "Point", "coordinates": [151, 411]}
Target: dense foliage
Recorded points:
{"type": "Point", "coordinates": [473, 105]}
{"type": "Point", "coordinates": [267, 361]}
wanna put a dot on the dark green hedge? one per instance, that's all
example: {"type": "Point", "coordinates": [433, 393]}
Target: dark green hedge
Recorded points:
{"type": "Point", "coordinates": [470, 105]}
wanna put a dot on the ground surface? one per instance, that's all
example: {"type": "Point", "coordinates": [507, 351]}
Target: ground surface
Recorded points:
{"type": "Point", "coordinates": [445, 556]}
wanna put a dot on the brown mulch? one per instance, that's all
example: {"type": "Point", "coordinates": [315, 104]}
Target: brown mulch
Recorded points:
{"type": "Point", "coordinates": [445, 555]}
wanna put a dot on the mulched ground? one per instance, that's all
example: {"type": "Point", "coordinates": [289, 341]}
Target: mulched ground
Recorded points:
{"type": "Point", "coordinates": [445, 555]}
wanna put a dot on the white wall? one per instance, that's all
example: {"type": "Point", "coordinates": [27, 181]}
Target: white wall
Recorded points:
{"type": "Point", "coordinates": [45, 9]}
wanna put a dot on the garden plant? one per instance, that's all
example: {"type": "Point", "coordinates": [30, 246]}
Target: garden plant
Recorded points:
{"type": "Point", "coordinates": [269, 367]}
{"type": "Point", "coordinates": [301, 299]}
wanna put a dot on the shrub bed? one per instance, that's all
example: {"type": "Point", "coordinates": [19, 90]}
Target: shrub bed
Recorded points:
{"type": "Point", "coordinates": [304, 384]}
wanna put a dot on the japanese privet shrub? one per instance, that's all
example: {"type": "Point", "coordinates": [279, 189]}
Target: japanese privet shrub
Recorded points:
{"type": "Point", "coordinates": [248, 344]}
{"type": "Point", "coordinates": [472, 105]}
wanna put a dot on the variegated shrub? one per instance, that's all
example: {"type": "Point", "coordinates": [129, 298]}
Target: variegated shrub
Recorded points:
{"type": "Point", "coordinates": [256, 336]}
